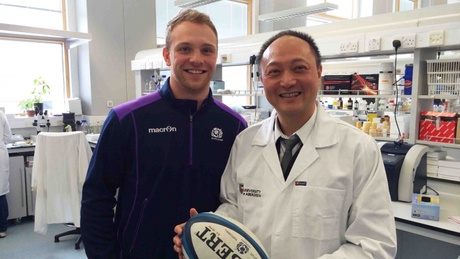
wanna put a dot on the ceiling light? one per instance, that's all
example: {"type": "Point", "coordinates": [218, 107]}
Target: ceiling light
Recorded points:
{"type": "Point", "coordinates": [299, 11]}
{"type": "Point", "coordinates": [192, 3]}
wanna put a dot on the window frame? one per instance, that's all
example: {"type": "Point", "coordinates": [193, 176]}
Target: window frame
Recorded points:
{"type": "Point", "coordinates": [65, 38]}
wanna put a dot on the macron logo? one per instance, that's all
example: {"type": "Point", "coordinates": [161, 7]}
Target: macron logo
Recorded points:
{"type": "Point", "coordinates": [163, 130]}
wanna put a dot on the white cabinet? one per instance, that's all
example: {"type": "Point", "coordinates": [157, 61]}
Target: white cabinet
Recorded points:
{"type": "Point", "coordinates": [30, 195]}
{"type": "Point", "coordinates": [21, 199]}
{"type": "Point", "coordinates": [17, 199]}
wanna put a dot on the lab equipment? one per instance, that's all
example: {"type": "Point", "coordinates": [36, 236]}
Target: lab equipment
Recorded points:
{"type": "Point", "coordinates": [69, 119]}
{"type": "Point", "coordinates": [41, 120]}
{"type": "Point", "coordinates": [405, 166]}
{"type": "Point", "coordinates": [425, 206]}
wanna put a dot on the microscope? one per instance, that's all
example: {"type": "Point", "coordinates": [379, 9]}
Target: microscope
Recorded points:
{"type": "Point", "coordinates": [41, 120]}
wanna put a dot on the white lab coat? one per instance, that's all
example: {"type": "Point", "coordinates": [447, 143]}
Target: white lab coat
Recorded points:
{"type": "Point", "coordinates": [334, 204]}
{"type": "Point", "coordinates": [5, 137]}
{"type": "Point", "coordinates": [61, 161]}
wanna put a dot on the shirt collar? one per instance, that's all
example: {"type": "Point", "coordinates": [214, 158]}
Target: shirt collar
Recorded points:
{"type": "Point", "coordinates": [303, 132]}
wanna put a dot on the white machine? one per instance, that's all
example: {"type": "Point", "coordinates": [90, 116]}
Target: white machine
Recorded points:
{"type": "Point", "coordinates": [405, 165]}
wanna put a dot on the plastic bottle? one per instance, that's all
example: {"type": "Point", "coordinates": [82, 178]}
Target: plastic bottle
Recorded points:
{"type": "Point", "coordinates": [84, 127]}
{"type": "Point", "coordinates": [386, 79]}
{"type": "Point", "coordinates": [409, 68]}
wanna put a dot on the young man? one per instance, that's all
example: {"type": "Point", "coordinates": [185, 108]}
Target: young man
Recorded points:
{"type": "Point", "coordinates": [164, 153]}
{"type": "Point", "coordinates": [332, 201]}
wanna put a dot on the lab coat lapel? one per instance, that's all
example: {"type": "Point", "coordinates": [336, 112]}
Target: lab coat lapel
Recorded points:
{"type": "Point", "coordinates": [307, 155]}
{"type": "Point", "coordinates": [271, 158]}
{"type": "Point", "coordinates": [324, 134]}
{"type": "Point", "coordinates": [265, 138]}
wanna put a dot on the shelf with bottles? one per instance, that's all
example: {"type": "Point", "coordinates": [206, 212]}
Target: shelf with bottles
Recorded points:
{"type": "Point", "coordinates": [362, 103]}
{"type": "Point", "coordinates": [259, 92]}
{"type": "Point", "coordinates": [154, 82]}
{"type": "Point", "coordinates": [361, 94]}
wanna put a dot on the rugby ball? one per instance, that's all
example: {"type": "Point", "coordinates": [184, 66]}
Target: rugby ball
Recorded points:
{"type": "Point", "coordinates": [208, 235]}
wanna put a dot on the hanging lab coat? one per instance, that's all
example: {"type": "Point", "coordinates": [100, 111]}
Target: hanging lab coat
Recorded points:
{"type": "Point", "coordinates": [334, 204]}
{"type": "Point", "coordinates": [60, 164]}
{"type": "Point", "coordinates": [5, 137]}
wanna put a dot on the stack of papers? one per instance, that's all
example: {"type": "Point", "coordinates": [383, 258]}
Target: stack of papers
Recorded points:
{"type": "Point", "coordinates": [92, 137]}
{"type": "Point", "coordinates": [454, 219]}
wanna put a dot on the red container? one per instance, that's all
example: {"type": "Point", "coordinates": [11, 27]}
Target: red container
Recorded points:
{"type": "Point", "coordinates": [438, 126]}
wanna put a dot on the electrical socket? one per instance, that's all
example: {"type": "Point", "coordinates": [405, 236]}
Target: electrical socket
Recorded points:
{"type": "Point", "coordinates": [436, 38]}
{"type": "Point", "coordinates": [408, 41]}
{"type": "Point", "coordinates": [225, 58]}
{"type": "Point", "coordinates": [373, 44]}
{"type": "Point", "coordinates": [349, 47]}
{"type": "Point", "coordinates": [109, 104]}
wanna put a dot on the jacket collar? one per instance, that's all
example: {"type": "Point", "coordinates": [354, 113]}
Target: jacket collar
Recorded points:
{"type": "Point", "coordinates": [167, 94]}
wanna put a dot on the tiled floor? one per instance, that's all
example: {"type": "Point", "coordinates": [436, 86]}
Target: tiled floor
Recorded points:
{"type": "Point", "coordinates": [23, 243]}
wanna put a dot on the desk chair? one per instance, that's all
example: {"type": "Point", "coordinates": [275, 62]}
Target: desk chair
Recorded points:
{"type": "Point", "coordinates": [61, 161]}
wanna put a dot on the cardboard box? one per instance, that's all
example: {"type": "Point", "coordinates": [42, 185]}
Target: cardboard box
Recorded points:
{"type": "Point", "coordinates": [457, 139]}
{"type": "Point", "coordinates": [336, 84]}
{"type": "Point", "coordinates": [438, 126]}
{"type": "Point", "coordinates": [453, 173]}
{"type": "Point", "coordinates": [451, 163]}
{"type": "Point", "coordinates": [438, 154]}
{"type": "Point", "coordinates": [425, 206]}
{"type": "Point", "coordinates": [367, 84]}
{"type": "Point", "coordinates": [433, 169]}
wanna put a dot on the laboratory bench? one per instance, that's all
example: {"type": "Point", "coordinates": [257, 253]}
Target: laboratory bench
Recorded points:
{"type": "Point", "coordinates": [422, 238]}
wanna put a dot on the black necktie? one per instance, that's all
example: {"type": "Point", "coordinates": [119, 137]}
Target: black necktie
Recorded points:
{"type": "Point", "coordinates": [289, 144]}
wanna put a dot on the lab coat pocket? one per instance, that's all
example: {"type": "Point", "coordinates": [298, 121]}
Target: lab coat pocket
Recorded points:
{"type": "Point", "coordinates": [316, 212]}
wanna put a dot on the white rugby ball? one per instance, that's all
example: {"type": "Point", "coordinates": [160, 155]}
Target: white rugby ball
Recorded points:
{"type": "Point", "coordinates": [208, 235]}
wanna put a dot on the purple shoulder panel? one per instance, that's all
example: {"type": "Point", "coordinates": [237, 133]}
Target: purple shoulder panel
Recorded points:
{"type": "Point", "coordinates": [125, 108]}
{"type": "Point", "coordinates": [231, 111]}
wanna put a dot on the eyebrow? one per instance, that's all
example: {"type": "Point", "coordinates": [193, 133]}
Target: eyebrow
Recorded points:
{"type": "Point", "coordinates": [291, 61]}
{"type": "Point", "coordinates": [191, 44]}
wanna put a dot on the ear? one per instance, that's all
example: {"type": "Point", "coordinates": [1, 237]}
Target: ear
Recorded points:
{"type": "Point", "coordinates": [166, 56]}
{"type": "Point", "coordinates": [320, 71]}
{"type": "Point", "coordinates": [261, 77]}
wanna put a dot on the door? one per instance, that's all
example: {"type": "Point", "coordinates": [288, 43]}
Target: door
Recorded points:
{"type": "Point", "coordinates": [17, 205]}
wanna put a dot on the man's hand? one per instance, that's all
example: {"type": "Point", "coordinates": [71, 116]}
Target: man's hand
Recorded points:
{"type": "Point", "coordinates": [177, 238]}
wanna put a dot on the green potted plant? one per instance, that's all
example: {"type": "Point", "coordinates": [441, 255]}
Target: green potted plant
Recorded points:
{"type": "Point", "coordinates": [35, 102]}
{"type": "Point", "coordinates": [28, 106]}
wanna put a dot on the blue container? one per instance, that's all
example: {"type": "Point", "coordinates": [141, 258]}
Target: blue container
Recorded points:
{"type": "Point", "coordinates": [408, 79]}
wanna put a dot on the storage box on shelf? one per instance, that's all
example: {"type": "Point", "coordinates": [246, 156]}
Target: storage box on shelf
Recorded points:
{"type": "Point", "coordinates": [365, 83]}
{"type": "Point", "coordinates": [438, 126]}
{"type": "Point", "coordinates": [443, 77]}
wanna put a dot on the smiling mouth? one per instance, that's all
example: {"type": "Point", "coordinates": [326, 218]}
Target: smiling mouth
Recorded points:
{"type": "Point", "coordinates": [194, 71]}
{"type": "Point", "coordinates": [289, 95]}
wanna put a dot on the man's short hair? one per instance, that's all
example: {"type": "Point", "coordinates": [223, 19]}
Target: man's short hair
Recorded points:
{"type": "Point", "coordinates": [301, 35]}
{"type": "Point", "coordinates": [189, 15]}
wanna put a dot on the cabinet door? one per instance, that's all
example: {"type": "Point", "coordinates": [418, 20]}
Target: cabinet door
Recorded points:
{"type": "Point", "coordinates": [16, 198]}
{"type": "Point", "coordinates": [30, 194]}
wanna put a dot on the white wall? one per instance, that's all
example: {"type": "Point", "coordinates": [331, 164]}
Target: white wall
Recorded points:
{"type": "Point", "coordinates": [119, 29]}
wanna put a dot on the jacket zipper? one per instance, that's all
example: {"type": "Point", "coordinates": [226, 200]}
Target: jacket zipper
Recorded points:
{"type": "Point", "coordinates": [190, 161]}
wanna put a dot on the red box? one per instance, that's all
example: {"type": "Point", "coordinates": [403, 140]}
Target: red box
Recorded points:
{"type": "Point", "coordinates": [438, 126]}
{"type": "Point", "coordinates": [367, 84]}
